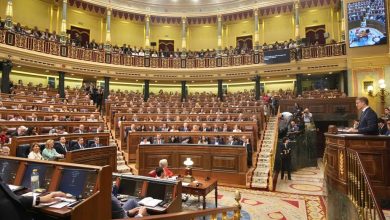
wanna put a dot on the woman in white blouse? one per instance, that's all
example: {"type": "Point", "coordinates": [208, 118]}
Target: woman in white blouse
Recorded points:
{"type": "Point", "coordinates": [35, 152]}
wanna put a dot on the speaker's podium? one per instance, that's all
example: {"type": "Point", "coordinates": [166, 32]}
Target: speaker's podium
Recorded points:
{"type": "Point", "coordinates": [91, 185]}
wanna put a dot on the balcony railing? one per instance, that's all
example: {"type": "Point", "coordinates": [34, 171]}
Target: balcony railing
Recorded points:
{"type": "Point", "coordinates": [101, 56]}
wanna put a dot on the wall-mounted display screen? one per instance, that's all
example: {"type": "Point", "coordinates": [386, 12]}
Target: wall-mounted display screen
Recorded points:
{"type": "Point", "coordinates": [277, 56]}
{"type": "Point", "coordinates": [367, 23]}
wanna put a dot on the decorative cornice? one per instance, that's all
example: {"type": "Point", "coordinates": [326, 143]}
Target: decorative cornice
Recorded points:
{"type": "Point", "coordinates": [239, 13]}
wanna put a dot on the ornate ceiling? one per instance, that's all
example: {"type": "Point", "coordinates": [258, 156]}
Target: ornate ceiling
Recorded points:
{"type": "Point", "coordinates": [188, 8]}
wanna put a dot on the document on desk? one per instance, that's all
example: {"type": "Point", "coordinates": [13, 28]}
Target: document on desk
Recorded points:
{"type": "Point", "coordinates": [15, 188]}
{"type": "Point", "coordinates": [149, 201]}
{"type": "Point", "coordinates": [59, 205]}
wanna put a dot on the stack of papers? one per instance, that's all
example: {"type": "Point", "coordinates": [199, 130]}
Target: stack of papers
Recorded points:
{"type": "Point", "coordinates": [15, 188]}
{"type": "Point", "coordinates": [149, 201]}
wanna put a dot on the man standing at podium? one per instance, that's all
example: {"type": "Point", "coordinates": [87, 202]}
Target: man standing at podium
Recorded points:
{"type": "Point", "coordinates": [368, 118]}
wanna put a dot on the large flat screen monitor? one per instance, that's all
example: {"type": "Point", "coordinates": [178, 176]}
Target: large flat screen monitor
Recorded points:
{"type": "Point", "coordinates": [45, 172]}
{"type": "Point", "coordinates": [367, 23]}
{"type": "Point", "coordinates": [277, 56]}
{"type": "Point", "coordinates": [78, 182]}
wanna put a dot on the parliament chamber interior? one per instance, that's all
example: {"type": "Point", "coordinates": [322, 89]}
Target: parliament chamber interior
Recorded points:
{"type": "Point", "coordinates": [194, 109]}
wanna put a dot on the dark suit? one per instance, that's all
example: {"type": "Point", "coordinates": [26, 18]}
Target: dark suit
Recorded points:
{"type": "Point", "coordinates": [383, 130]}
{"type": "Point", "coordinates": [217, 141]}
{"type": "Point", "coordinates": [61, 149]}
{"type": "Point", "coordinates": [12, 206]}
{"type": "Point", "coordinates": [368, 122]}
{"type": "Point", "coordinates": [76, 146]}
{"type": "Point", "coordinates": [95, 145]}
{"type": "Point", "coordinates": [248, 147]}
{"type": "Point", "coordinates": [157, 141]}
{"type": "Point", "coordinates": [185, 129]}
{"type": "Point", "coordinates": [285, 152]}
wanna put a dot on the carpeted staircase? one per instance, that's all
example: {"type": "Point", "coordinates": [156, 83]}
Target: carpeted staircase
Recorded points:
{"type": "Point", "coordinates": [121, 165]}
{"type": "Point", "coordinates": [260, 177]}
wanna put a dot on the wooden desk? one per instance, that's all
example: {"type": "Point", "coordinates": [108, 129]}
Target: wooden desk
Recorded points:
{"type": "Point", "coordinates": [138, 186]}
{"type": "Point", "coordinates": [375, 155]}
{"type": "Point", "coordinates": [96, 189]}
{"type": "Point", "coordinates": [99, 156]}
{"type": "Point", "coordinates": [205, 187]}
{"type": "Point", "coordinates": [246, 126]}
{"type": "Point", "coordinates": [346, 181]}
{"type": "Point", "coordinates": [228, 164]}
{"type": "Point", "coordinates": [134, 139]}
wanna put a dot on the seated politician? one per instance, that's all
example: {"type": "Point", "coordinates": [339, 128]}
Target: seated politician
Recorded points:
{"type": "Point", "coordinates": [368, 123]}
{"type": "Point", "coordinates": [130, 208]}
{"type": "Point", "coordinates": [78, 145]}
{"type": "Point", "coordinates": [164, 165]}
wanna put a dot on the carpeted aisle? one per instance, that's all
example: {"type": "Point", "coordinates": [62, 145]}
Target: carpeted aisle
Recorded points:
{"type": "Point", "coordinates": [266, 205]}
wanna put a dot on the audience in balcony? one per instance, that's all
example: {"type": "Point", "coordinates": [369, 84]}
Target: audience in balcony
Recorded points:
{"type": "Point", "coordinates": [134, 51]}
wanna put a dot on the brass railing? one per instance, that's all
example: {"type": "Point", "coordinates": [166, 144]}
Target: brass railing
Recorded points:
{"type": "Point", "coordinates": [360, 191]}
{"type": "Point", "coordinates": [229, 213]}
{"type": "Point", "coordinates": [273, 154]}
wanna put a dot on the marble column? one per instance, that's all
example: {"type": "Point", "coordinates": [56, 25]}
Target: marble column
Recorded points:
{"type": "Point", "coordinates": [6, 67]}
{"type": "Point", "coordinates": [345, 81]}
{"type": "Point", "coordinates": [219, 34]}
{"type": "Point", "coordinates": [183, 90]}
{"type": "Point", "coordinates": [106, 87]}
{"type": "Point", "coordinates": [147, 32]}
{"type": "Point", "coordinates": [146, 90]}
{"type": "Point", "coordinates": [296, 19]}
{"type": "Point", "coordinates": [256, 30]}
{"type": "Point", "coordinates": [257, 87]}
{"type": "Point", "coordinates": [184, 34]}
{"type": "Point", "coordinates": [61, 84]}
{"type": "Point", "coordinates": [108, 27]}
{"type": "Point", "coordinates": [298, 84]}
{"type": "Point", "coordinates": [342, 23]}
{"type": "Point", "coordinates": [63, 21]}
{"type": "Point", "coordinates": [9, 13]}
{"type": "Point", "coordinates": [220, 89]}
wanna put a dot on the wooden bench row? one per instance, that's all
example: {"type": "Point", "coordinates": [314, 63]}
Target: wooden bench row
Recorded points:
{"type": "Point", "coordinates": [46, 106]}
{"type": "Point", "coordinates": [7, 114]}
{"type": "Point", "coordinates": [114, 110]}
{"type": "Point", "coordinates": [128, 117]}
{"type": "Point", "coordinates": [134, 139]}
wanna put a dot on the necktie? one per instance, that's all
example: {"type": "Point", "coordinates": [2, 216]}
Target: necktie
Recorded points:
{"type": "Point", "coordinates": [64, 147]}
